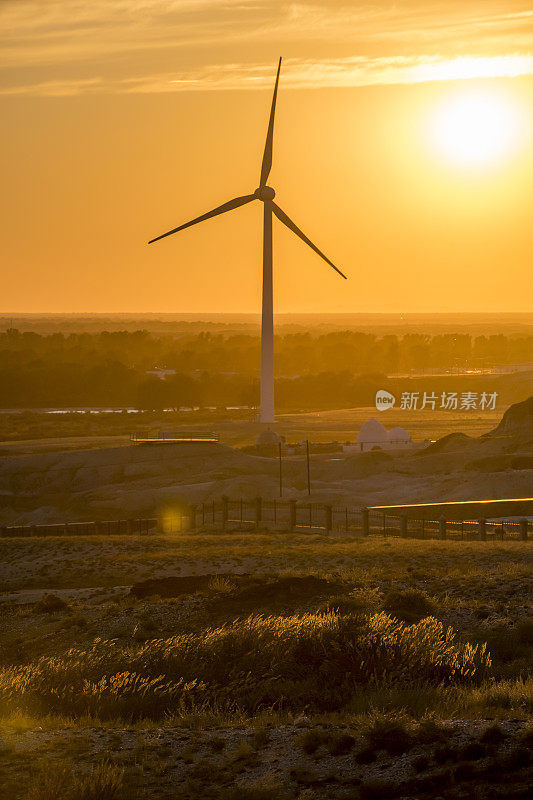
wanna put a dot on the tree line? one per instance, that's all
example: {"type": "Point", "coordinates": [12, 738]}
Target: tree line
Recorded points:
{"type": "Point", "coordinates": [343, 368]}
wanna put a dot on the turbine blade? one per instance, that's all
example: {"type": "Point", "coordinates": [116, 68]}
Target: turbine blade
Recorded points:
{"type": "Point", "coordinates": [267, 155]}
{"type": "Point", "coordinates": [282, 216]}
{"type": "Point", "coordinates": [229, 206]}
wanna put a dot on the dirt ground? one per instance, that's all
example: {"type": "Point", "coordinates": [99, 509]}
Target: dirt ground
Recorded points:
{"type": "Point", "coordinates": [445, 744]}
{"type": "Point", "coordinates": [58, 481]}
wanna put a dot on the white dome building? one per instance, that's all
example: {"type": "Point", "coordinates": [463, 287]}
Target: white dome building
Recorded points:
{"type": "Point", "coordinates": [372, 435]}
{"type": "Point", "coordinates": [398, 437]}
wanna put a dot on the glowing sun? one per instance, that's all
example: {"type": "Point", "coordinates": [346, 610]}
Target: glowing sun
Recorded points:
{"type": "Point", "coordinates": [476, 128]}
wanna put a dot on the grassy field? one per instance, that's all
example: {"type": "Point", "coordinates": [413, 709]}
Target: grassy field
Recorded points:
{"type": "Point", "coordinates": [262, 666]}
{"type": "Point", "coordinates": [38, 432]}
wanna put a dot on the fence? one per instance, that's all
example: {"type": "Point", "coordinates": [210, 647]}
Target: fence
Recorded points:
{"type": "Point", "coordinates": [100, 528]}
{"type": "Point", "coordinates": [228, 514]}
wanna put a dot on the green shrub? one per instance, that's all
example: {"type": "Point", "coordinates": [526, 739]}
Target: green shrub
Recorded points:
{"type": "Point", "coordinates": [473, 751]}
{"type": "Point", "coordinates": [519, 758]}
{"type": "Point", "coordinates": [527, 736]}
{"type": "Point", "coordinates": [524, 631]}
{"type": "Point", "coordinates": [365, 756]}
{"type": "Point", "coordinates": [340, 744]}
{"type": "Point", "coordinates": [430, 732]}
{"type": "Point", "coordinates": [261, 789]}
{"type": "Point", "coordinates": [390, 735]}
{"type": "Point", "coordinates": [464, 772]}
{"type": "Point", "coordinates": [494, 734]}
{"type": "Point", "coordinates": [421, 763]}
{"type": "Point", "coordinates": [310, 740]}
{"type": "Point", "coordinates": [260, 738]}
{"type": "Point", "coordinates": [50, 604]}
{"type": "Point", "coordinates": [376, 789]}
{"type": "Point", "coordinates": [408, 605]}
{"type": "Point", "coordinates": [217, 744]}
{"type": "Point", "coordinates": [358, 601]}
{"type": "Point", "coordinates": [444, 754]}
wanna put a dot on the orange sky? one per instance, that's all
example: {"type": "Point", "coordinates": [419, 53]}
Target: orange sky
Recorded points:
{"type": "Point", "coordinates": [122, 119]}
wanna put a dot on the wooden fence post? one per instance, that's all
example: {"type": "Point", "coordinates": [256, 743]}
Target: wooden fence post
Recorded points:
{"type": "Point", "coordinates": [482, 529]}
{"type": "Point", "coordinates": [258, 510]}
{"type": "Point", "coordinates": [403, 526]}
{"type": "Point", "coordinates": [329, 519]}
{"type": "Point", "coordinates": [523, 529]}
{"type": "Point", "coordinates": [292, 514]}
{"type": "Point", "coordinates": [442, 527]}
{"type": "Point", "coordinates": [192, 517]}
{"type": "Point", "coordinates": [224, 512]}
{"type": "Point", "coordinates": [365, 521]}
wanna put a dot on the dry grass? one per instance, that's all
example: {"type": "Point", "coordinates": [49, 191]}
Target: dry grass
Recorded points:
{"type": "Point", "coordinates": [480, 589]}
{"type": "Point", "coordinates": [57, 562]}
{"type": "Point", "coordinates": [251, 664]}
{"type": "Point", "coordinates": [58, 781]}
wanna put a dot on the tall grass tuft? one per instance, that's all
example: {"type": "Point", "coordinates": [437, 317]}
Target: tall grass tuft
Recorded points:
{"type": "Point", "coordinates": [313, 660]}
{"type": "Point", "coordinates": [58, 781]}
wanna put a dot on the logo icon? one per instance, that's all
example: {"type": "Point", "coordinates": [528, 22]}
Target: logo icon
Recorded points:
{"type": "Point", "coordinates": [384, 400]}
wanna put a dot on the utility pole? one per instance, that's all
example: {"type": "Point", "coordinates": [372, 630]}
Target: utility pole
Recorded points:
{"type": "Point", "coordinates": [308, 470]}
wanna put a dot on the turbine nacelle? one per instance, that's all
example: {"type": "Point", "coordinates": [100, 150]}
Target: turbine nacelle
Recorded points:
{"type": "Point", "coordinates": [264, 193]}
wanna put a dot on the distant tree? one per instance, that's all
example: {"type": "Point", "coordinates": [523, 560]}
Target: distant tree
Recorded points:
{"type": "Point", "coordinates": [152, 394]}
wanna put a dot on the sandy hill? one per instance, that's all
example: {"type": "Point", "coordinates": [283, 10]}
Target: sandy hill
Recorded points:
{"type": "Point", "coordinates": [517, 422]}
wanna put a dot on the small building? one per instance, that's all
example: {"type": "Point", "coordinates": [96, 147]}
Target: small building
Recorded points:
{"type": "Point", "coordinates": [162, 374]}
{"type": "Point", "coordinates": [267, 444]}
{"type": "Point", "coordinates": [398, 437]}
{"type": "Point", "coordinates": [268, 438]}
{"type": "Point", "coordinates": [373, 435]}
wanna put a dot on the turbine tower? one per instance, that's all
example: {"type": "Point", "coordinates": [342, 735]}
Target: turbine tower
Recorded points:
{"type": "Point", "coordinates": [266, 194]}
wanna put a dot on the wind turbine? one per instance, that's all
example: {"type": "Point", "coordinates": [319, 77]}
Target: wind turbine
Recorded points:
{"type": "Point", "coordinates": [266, 194]}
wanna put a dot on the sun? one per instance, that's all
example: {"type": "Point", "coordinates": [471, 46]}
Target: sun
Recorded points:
{"type": "Point", "coordinates": [476, 128]}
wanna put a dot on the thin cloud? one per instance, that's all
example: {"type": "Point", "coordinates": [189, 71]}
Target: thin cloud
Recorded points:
{"type": "Point", "coordinates": [59, 31]}
{"type": "Point", "coordinates": [49, 49]}
{"type": "Point", "coordinates": [57, 88]}
{"type": "Point", "coordinates": [298, 74]}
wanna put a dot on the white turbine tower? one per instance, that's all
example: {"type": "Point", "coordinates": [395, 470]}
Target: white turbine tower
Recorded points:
{"type": "Point", "coordinates": [266, 194]}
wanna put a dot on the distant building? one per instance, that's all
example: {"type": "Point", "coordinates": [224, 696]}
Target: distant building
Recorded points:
{"type": "Point", "coordinates": [373, 435]}
{"type": "Point", "coordinates": [267, 438]}
{"type": "Point", "coordinates": [399, 437]}
{"type": "Point", "coordinates": [161, 373]}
